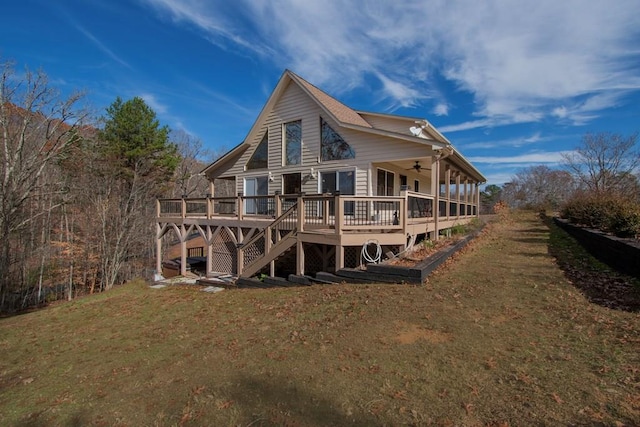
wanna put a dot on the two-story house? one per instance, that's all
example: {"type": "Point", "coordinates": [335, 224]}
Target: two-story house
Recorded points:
{"type": "Point", "coordinates": [315, 180]}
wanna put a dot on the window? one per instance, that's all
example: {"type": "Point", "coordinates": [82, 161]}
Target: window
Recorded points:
{"type": "Point", "coordinates": [259, 159]}
{"type": "Point", "coordinates": [293, 143]}
{"type": "Point", "coordinates": [332, 146]}
{"type": "Point", "coordinates": [416, 186]}
{"type": "Point", "coordinates": [385, 183]}
{"type": "Point", "coordinates": [292, 183]}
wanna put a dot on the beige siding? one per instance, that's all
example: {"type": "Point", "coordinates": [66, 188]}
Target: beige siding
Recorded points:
{"type": "Point", "coordinates": [369, 148]}
{"type": "Point", "coordinates": [398, 125]}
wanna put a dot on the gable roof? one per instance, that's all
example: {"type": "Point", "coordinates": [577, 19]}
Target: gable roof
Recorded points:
{"type": "Point", "coordinates": [340, 113]}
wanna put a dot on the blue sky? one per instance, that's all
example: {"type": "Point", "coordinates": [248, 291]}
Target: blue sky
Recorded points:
{"type": "Point", "coordinates": [510, 83]}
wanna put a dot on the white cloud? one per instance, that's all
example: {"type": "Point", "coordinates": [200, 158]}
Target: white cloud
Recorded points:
{"type": "Point", "coordinates": [102, 47]}
{"type": "Point", "coordinates": [442, 109]}
{"type": "Point", "coordinates": [521, 61]}
{"type": "Point", "coordinates": [153, 102]}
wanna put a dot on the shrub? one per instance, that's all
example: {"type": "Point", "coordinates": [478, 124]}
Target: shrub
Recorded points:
{"type": "Point", "coordinates": [609, 213]}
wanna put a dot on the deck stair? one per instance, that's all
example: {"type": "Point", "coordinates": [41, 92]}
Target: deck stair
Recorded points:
{"type": "Point", "coordinates": [273, 242]}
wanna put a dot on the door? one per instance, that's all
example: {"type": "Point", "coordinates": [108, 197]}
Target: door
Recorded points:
{"type": "Point", "coordinates": [258, 186]}
{"type": "Point", "coordinates": [343, 181]}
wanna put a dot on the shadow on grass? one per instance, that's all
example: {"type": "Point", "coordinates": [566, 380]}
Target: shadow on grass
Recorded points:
{"type": "Point", "coordinates": [534, 240]}
{"type": "Point", "coordinates": [291, 404]}
{"type": "Point", "coordinates": [77, 420]}
{"type": "Point", "coordinates": [599, 284]}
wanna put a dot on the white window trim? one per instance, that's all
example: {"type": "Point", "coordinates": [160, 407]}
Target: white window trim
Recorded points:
{"type": "Point", "coordinates": [337, 170]}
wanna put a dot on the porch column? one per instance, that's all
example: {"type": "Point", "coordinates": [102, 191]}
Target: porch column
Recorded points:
{"type": "Point", "coordinates": [467, 190]}
{"type": "Point", "coordinates": [458, 193]}
{"type": "Point", "coordinates": [435, 190]}
{"type": "Point", "coordinates": [447, 190]}
{"type": "Point", "coordinates": [477, 200]}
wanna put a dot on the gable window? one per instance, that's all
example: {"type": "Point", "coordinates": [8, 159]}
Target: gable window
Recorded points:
{"type": "Point", "coordinates": [260, 157]}
{"type": "Point", "coordinates": [293, 143]}
{"type": "Point", "coordinates": [332, 146]}
{"type": "Point", "coordinates": [385, 183]}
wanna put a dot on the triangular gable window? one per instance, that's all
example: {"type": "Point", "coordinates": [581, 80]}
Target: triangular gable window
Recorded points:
{"type": "Point", "coordinates": [333, 147]}
{"type": "Point", "coordinates": [259, 159]}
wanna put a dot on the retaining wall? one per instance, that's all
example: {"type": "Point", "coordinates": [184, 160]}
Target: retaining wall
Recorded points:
{"type": "Point", "coordinates": [620, 254]}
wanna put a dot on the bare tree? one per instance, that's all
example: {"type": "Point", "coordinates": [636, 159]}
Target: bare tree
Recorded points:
{"type": "Point", "coordinates": [604, 161]}
{"type": "Point", "coordinates": [539, 187]}
{"type": "Point", "coordinates": [37, 126]}
{"type": "Point", "coordinates": [193, 157]}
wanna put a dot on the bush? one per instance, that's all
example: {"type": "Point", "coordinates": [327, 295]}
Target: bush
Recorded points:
{"type": "Point", "coordinates": [610, 213]}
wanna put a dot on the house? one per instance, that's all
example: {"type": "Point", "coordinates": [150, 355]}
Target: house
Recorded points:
{"type": "Point", "coordinates": [315, 180]}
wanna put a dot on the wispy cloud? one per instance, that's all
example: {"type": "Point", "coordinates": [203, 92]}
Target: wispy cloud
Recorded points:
{"type": "Point", "coordinates": [521, 62]}
{"type": "Point", "coordinates": [522, 159]}
{"type": "Point", "coordinates": [153, 102]}
{"type": "Point", "coordinates": [441, 109]}
{"type": "Point", "coordinates": [103, 47]}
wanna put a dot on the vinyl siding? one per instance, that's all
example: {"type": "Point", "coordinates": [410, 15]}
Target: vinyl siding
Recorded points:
{"type": "Point", "coordinates": [398, 125]}
{"type": "Point", "coordinates": [369, 148]}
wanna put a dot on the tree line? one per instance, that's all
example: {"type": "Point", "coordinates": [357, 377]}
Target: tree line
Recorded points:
{"type": "Point", "coordinates": [604, 166]}
{"type": "Point", "coordinates": [77, 191]}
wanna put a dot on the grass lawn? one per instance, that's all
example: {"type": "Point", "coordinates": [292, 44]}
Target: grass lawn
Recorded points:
{"type": "Point", "coordinates": [497, 336]}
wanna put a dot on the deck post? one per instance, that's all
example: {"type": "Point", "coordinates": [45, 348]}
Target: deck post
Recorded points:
{"type": "Point", "coordinates": [339, 214]}
{"type": "Point", "coordinates": [183, 249]}
{"type": "Point", "coordinates": [278, 202]}
{"type": "Point", "coordinates": [300, 214]}
{"type": "Point", "coordinates": [240, 261]}
{"type": "Point", "coordinates": [339, 257]}
{"type": "Point", "coordinates": [300, 257]}
{"type": "Point", "coordinates": [209, 242]}
{"type": "Point", "coordinates": [240, 204]}
{"type": "Point", "coordinates": [184, 207]}
{"type": "Point", "coordinates": [158, 248]}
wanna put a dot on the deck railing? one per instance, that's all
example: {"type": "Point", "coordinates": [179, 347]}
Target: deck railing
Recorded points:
{"type": "Point", "coordinates": [320, 211]}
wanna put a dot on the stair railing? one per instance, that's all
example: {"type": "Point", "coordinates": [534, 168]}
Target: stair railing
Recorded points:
{"type": "Point", "coordinates": [260, 245]}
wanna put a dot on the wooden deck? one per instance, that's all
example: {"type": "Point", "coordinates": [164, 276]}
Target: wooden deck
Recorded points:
{"type": "Point", "coordinates": [260, 229]}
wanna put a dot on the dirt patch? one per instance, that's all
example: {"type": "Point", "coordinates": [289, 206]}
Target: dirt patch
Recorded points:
{"type": "Point", "coordinates": [411, 333]}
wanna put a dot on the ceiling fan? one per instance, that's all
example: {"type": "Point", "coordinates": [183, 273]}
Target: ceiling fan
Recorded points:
{"type": "Point", "coordinates": [417, 166]}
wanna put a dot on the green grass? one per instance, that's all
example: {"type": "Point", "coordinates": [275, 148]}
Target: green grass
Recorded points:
{"type": "Point", "coordinates": [498, 336]}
